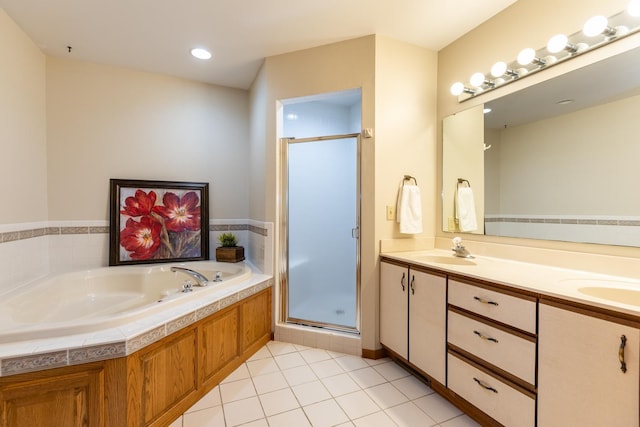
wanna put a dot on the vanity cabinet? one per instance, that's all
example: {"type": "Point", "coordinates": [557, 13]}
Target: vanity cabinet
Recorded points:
{"type": "Point", "coordinates": [491, 337]}
{"type": "Point", "coordinates": [413, 316]}
{"type": "Point", "coordinates": [581, 380]}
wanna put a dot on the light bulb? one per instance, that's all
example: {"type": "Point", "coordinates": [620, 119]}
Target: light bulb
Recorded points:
{"type": "Point", "coordinates": [557, 43]}
{"type": "Point", "coordinates": [634, 8]}
{"type": "Point", "coordinates": [457, 88]}
{"type": "Point", "coordinates": [595, 25]}
{"type": "Point", "coordinates": [477, 79]}
{"type": "Point", "coordinates": [498, 69]}
{"type": "Point", "coordinates": [201, 53]}
{"type": "Point", "coordinates": [526, 56]}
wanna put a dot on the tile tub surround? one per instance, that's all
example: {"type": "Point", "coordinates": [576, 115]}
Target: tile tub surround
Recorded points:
{"type": "Point", "coordinates": [35, 355]}
{"type": "Point", "coordinates": [291, 385]}
{"type": "Point", "coordinates": [31, 250]}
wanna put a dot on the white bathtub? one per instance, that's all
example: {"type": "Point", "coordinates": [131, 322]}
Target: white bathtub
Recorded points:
{"type": "Point", "coordinates": [86, 301]}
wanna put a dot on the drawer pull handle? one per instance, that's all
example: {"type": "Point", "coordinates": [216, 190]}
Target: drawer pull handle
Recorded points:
{"type": "Point", "coordinates": [484, 337]}
{"type": "Point", "coordinates": [623, 343]}
{"type": "Point", "coordinates": [484, 386]}
{"type": "Point", "coordinates": [484, 301]}
{"type": "Point", "coordinates": [402, 282]}
{"type": "Point", "coordinates": [413, 288]}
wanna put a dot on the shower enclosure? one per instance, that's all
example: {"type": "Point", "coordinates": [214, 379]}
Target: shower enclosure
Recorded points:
{"type": "Point", "coordinates": [320, 217]}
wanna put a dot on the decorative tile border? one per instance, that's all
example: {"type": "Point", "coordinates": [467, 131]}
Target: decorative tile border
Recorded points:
{"type": "Point", "coordinates": [78, 355]}
{"type": "Point", "coordinates": [569, 221]}
{"type": "Point", "coordinates": [12, 236]}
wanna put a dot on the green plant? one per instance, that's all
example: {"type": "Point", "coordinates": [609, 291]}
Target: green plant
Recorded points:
{"type": "Point", "coordinates": [228, 239]}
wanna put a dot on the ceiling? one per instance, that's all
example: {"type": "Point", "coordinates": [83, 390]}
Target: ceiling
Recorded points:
{"type": "Point", "coordinates": [157, 35]}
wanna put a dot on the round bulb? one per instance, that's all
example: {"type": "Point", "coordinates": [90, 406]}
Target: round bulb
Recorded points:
{"type": "Point", "coordinates": [201, 53]}
{"type": "Point", "coordinates": [457, 88]}
{"type": "Point", "coordinates": [595, 26]}
{"type": "Point", "coordinates": [634, 8]}
{"type": "Point", "coordinates": [557, 43]}
{"type": "Point", "coordinates": [498, 69]}
{"type": "Point", "coordinates": [477, 79]}
{"type": "Point", "coordinates": [526, 56]}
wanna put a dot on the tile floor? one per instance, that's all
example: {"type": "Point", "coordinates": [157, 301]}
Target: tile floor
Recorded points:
{"type": "Point", "coordinates": [288, 385]}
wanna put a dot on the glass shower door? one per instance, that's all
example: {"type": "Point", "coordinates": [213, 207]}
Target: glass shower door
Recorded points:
{"type": "Point", "coordinates": [322, 215]}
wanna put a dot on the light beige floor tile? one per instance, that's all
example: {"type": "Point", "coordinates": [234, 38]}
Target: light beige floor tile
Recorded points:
{"type": "Point", "coordinates": [367, 377]}
{"type": "Point", "coordinates": [289, 360]}
{"type": "Point", "coordinates": [357, 404]}
{"type": "Point", "coordinates": [242, 411]}
{"type": "Point", "coordinates": [391, 371]}
{"type": "Point", "coordinates": [210, 417]}
{"type": "Point", "coordinates": [351, 363]}
{"type": "Point", "coordinates": [278, 402]}
{"type": "Point", "coordinates": [299, 375]}
{"type": "Point", "coordinates": [437, 407]}
{"type": "Point", "coordinates": [326, 368]}
{"type": "Point", "coordinates": [309, 393]}
{"type": "Point", "coordinates": [240, 373]}
{"type": "Point", "coordinates": [277, 348]}
{"type": "Point", "coordinates": [386, 395]}
{"type": "Point", "coordinates": [461, 421]}
{"type": "Point", "coordinates": [295, 418]}
{"type": "Point", "coordinates": [176, 423]}
{"type": "Point", "coordinates": [412, 387]}
{"type": "Point", "coordinates": [269, 382]}
{"type": "Point", "coordinates": [258, 423]}
{"type": "Point", "coordinates": [377, 419]}
{"type": "Point", "coordinates": [263, 353]}
{"type": "Point", "coordinates": [326, 413]}
{"type": "Point", "coordinates": [262, 366]}
{"type": "Point", "coordinates": [373, 362]}
{"type": "Point", "coordinates": [315, 355]}
{"type": "Point", "coordinates": [209, 400]}
{"type": "Point", "coordinates": [347, 424]}
{"type": "Point", "coordinates": [237, 390]}
{"type": "Point", "coordinates": [340, 384]}
{"type": "Point", "coordinates": [409, 415]}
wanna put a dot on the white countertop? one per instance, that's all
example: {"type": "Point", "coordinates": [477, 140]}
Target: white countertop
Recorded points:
{"type": "Point", "coordinates": [551, 281]}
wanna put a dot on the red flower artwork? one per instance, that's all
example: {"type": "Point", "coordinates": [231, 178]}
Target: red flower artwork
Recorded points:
{"type": "Point", "coordinates": [139, 205]}
{"type": "Point", "coordinates": [142, 238]}
{"type": "Point", "coordinates": [180, 213]}
{"type": "Point", "coordinates": [164, 231]}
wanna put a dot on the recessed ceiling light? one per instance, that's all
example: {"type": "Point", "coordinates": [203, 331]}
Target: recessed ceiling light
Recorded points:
{"type": "Point", "coordinates": [201, 53]}
{"type": "Point", "coordinates": [564, 101]}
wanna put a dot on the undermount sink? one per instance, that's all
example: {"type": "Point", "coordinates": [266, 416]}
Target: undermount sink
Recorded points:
{"type": "Point", "coordinates": [622, 295]}
{"type": "Point", "coordinates": [445, 260]}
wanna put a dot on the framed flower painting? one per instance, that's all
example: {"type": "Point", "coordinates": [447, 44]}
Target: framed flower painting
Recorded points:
{"type": "Point", "coordinates": [158, 221]}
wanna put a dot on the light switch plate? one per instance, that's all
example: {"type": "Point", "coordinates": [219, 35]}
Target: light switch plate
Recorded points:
{"type": "Point", "coordinates": [391, 213]}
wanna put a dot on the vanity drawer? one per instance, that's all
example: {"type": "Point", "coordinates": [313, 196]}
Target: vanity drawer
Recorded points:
{"type": "Point", "coordinates": [512, 353]}
{"type": "Point", "coordinates": [499, 400]}
{"type": "Point", "coordinates": [511, 310]}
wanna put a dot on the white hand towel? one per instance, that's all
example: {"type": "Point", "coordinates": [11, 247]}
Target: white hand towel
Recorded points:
{"type": "Point", "coordinates": [466, 210]}
{"type": "Point", "coordinates": [409, 210]}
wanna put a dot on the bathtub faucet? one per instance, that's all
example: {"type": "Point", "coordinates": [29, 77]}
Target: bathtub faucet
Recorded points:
{"type": "Point", "coordinates": [200, 279]}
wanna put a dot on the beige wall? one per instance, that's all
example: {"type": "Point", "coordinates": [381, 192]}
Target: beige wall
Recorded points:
{"type": "Point", "coordinates": [106, 122]}
{"type": "Point", "coordinates": [527, 23]}
{"type": "Point", "coordinates": [398, 83]}
{"type": "Point", "coordinates": [23, 169]}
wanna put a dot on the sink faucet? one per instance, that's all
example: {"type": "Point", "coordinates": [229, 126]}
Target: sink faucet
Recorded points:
{"type": "Point", "coordinates": [200, 279]}
{"type": "Point", "coordinates": [459, 250]}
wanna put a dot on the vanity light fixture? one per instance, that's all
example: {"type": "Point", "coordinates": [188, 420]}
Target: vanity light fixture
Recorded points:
{"type": "Point", "coordinates": [529, 60]}
{"type": "Point", "coordinates": [200, 53]}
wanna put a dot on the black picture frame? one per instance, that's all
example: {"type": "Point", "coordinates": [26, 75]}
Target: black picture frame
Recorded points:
{"type": "Point", "coordinates": [158, 221]}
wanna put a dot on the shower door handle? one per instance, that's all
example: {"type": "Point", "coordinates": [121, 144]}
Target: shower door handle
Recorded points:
{"type": "Point", "coordinates": [355, 232]}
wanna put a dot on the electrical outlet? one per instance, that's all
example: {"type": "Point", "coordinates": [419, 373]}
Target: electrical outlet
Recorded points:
{"type": "Point", "coordinates": [391, 213]}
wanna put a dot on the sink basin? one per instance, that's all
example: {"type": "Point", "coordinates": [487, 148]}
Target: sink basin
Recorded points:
{"type": "Point", "coordinates": [445, 260]}
{"type": "Point", "coordinates": [622, 295]}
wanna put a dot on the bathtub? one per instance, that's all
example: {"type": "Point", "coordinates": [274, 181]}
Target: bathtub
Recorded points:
{"type": "Point", "coordinates": [91, 300]}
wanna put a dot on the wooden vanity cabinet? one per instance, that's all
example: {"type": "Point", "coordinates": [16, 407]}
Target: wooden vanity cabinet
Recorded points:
{"type": "Point", "coordinates": [581, 380]}
{"type": "Point", "coordinates": [413, 317]}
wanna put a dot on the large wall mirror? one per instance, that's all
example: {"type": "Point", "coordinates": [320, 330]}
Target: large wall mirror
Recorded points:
{"type": "Point", "coordinates": [559, 160]}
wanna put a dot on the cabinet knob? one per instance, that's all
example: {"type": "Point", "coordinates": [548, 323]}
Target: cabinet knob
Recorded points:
{"type": "Point", "coordinates": [485, 386]}
{"type": "Point", "coordinates": [623, 364]}
{"type": "Point", "coordinates": [413, 288]}
{"type": "Point", "coordinates": [402, 282]}
{"type": "Point", "coordinates": [484, 337]}
{"type": "Point", "coordinates": [484, 301]}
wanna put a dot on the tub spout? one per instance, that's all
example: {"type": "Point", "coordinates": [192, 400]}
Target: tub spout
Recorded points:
{"type": "Point", "coordinates": [200, 279]}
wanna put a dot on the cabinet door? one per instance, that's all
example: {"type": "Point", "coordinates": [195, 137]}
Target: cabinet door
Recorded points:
{"type": "Point", "coordinates": [580, 382]}
{"type": "Point", "coordinates": [394, 314]}
{"type": "Point", "coordinates": [427, 323]}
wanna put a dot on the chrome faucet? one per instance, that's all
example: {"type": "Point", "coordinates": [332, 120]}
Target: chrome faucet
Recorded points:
{"type": "Point", "coordinates": [200, 279]}
{"type": "Point", "coordinates": [459, 250]}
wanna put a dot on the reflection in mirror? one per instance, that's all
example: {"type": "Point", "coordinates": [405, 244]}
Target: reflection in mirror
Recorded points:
{"type": "Point", "coordinates": [564, 158]}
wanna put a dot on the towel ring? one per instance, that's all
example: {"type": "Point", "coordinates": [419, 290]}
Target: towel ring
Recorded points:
{"type": "Point", "coordinates": [409, 178]}
{"type": "Point", "coordinates": [462, 181]}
